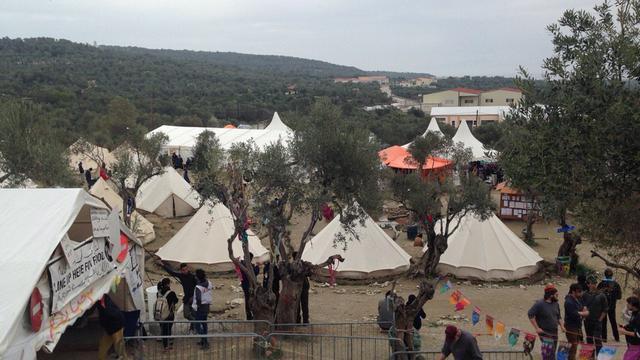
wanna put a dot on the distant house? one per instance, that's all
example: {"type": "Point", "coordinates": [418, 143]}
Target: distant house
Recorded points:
{"type": "Point", "coordinates": [419, 81]}
{"type": "Point", "coordinates": [292, 89]}
{"type": "Point", "coordinates": [473, 115]}
{"type": "Point", "coordinates": [363, 80]}
{"type": "Point", "coordinates": [471, 97]}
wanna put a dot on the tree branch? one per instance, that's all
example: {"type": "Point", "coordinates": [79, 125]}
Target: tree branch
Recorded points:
{"type": "Point", "coordinates": [303, 240]}
{"type": "Point", "coordinates": [635, 272]}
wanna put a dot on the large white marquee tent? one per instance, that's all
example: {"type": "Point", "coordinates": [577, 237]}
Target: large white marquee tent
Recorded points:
{"type": "Point", "coordinates": [487, 250]}
{"type": "Point", "coordinates": [372, 255]}
{"type": "Point", "coordinates": [203, 240]}
{"type": "Point", "coordinates": [168, 195]}
{"type": "Point", "coordinates": [182, 139]}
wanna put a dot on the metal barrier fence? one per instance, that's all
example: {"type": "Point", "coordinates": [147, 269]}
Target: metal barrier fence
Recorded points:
{"type": "Point", "coordinates": [329, 347]}
{"type": "Point", "coordinates": [261, 327]}
{"type": "Point", "coordinates": [433, 355]}
{"type": "Point", "coordinates": [220, 346]}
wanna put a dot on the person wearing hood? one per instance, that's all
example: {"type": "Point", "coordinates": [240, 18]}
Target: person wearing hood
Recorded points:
{"type": "Point", "coordinates": [202, 299]}
{"type": "Point", "coordinates": [613, 292]}
{"type": "Point", "coordinates": [545, 316]}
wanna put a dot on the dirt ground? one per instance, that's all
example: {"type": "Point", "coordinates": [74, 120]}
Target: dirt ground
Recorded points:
{"type": "Point", "coordinates": [507, 303]}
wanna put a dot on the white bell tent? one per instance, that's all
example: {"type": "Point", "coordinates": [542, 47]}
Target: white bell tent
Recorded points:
{"type": "Point", "coordinates": [486, 250]}
{"type": "Point", "coordinates": [203, 240]}
{"type": "Point", "coordinates": [372, 255]}
{"type": "Point", "coordinates": [433, 128]}
{"type": "Point", "coordinates": [168, 195]}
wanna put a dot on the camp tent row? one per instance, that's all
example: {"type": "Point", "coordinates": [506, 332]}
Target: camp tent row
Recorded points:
{"type": "Point", "coordinates": [142, 227]}
{"type": "Point", "coordinates": [486, 250]}
{"type": "Point", "coordinates": [182, 139]}
{"type": "Point", "coordinates": [168, 195]}
{"type": "Point", "coordinates": [203, 240]}
{"type": "Point", "coordinates": [57, 262]}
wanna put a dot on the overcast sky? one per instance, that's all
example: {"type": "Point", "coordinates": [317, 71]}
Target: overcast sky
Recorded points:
{"type": "Point", "coordinates": [463, 37]}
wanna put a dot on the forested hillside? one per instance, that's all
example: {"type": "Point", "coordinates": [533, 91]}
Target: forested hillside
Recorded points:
{"type": "Point", "coordinates": [83, 87]}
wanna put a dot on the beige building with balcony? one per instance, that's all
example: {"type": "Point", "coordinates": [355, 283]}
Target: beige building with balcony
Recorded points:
{"type": "Point", "coordinates": [473, 115]}
{"type": "Point", "coordinates": [471, 97]}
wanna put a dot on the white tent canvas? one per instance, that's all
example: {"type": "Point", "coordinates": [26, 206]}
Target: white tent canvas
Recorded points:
{"type": "Point", "coordinates": [143, 228]}
{"type": "Point", "coordinates": [91, 157]}
{"type": "Point", "coordinates": [168, 195]}
{"type": "Point", "coordinates": [487, 250]}
{"type": "Point", "coordinates": [182, 139]}
{"type": "Point", "coordinates": [433, 127]}
{"type": "Point", "coordinates": [203, 240]}
{"type": "Point", "coordinates": [373, 254]}
{"type": "Point", "coordinates": [33, 223]}
{"type": "Point", "coordinates": [463, 135]}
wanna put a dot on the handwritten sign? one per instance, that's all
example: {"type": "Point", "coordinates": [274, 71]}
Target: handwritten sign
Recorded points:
{"type": "Point", "coordinates": [133, 275]}
{"type": "Point", "coordinates": [88, 262]}
{"type": "Point", "coordinates": [100, 222]}
{"type": "Point", "coordinates": [114, 235]}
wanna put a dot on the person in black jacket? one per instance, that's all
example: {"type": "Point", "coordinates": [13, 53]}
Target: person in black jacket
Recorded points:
{"type": "Point", "coordinates": [112, 322]}
{"type": "Point", "coordinates": [164, 290]}
{"type": "Point", "coordinates": [188, 282]}
{"type": "Point", "coordinates": [417, 322]}
{"type": "Point", "coordinates": [613, 292]}
{"type": "Point", "coordinates": [89, 178]}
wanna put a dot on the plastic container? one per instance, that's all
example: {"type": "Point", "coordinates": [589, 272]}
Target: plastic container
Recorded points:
{"type": "Point", "coordinates": [152, 295]}
{"type": "Point", "coordinates": [563, 263]}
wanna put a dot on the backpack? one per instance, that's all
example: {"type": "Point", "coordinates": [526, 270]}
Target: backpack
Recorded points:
{"type": "Point", "coordinates": [162, 310]}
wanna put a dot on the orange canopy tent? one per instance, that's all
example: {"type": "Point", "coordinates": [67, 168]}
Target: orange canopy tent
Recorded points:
{"type": "Point", "coordinates": [229, 126]}
{"type": "Point", "coordinates": [397, 157]}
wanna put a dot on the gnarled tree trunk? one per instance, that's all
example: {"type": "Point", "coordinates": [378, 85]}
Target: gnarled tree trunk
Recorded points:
{"type": "Point", "coordinates": [404, 315]}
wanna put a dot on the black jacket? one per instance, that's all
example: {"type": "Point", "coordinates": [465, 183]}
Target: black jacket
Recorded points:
{"type": "Point", "coordinates": [110, 316]}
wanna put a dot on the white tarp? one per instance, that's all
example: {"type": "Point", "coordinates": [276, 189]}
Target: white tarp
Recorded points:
{"type": "Point", "coordinates": [33, 222]}
{"type": "Point", "coordinates": [142, 227]}
{"type": "Point", "coordinates": [463, 135]}
{"type": "Point", "coordinates": [487, 250]}
{"type": "Point", "coordinates": [372, 254]}
{"type": "Point", "coordinates": [168, 195]}
{"type": "Point", "coordinates": [182, 139]}
{"type": "Point", "coordinates": [203, 240]}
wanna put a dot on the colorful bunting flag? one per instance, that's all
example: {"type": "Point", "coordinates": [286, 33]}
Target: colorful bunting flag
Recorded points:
{"type": "Point", "coordinates": [586, 352]}
{"type": "Point", "coordinates": [529, 343]}
{"type": "Point", "coordinates": [455, 297]}
{"type": "Point", "coordinates": [547, 348]}
{"type": "Point", "coordinates": [563, 351]}
{"type": "Point", "coordinates": [463, 303]}
{"type": "Point", "coordinates": [489, 323]}
{"type": "Point", "coordinates": [445, 287]}
{"type": "Point", "coordinates": [475, 316]}
{"type": "Point", "coordinates": [607, 353]}
{"type": "Point", "coordinates": [514, 334]}
{"type": "Point", "coordinates": [499, 330]}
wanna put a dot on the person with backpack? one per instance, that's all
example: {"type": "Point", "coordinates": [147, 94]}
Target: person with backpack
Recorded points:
{"type": "Point", "coordinates": [202, 299]}
{"type": "Point", "coordinates": [164, 310]}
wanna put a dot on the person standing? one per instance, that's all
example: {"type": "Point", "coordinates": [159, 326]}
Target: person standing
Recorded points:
{"type": "Point", "coordinates": [303, 314]}
{"type": "Point", "coordinates": [103, 172]}
{"type": "Point", "coordinates": [89, 178]}
{"type": "Point", "coordinates": [202, 299]}
{"type": "Point", "coordinates": [545, 318]}
{"type": "Point", "coordinates": [461, 344]}
{"type": "Point", "coordinates": [112, 322]}
{"type": "Point", "coordinates": [627, 314]}
{"type": "Point", "coordinates": [170, 301]}
{"type": "Point", "coordinates": [574, 313]}
{"type": "Point", "coordinates": [80, 168]}
{"type": "Point", "coordinates": [188, 282]}
{"type": "Point", "coordinates": [417, 324]}
{"type": "Point", "coordinates": [613, 292]}
{"type": "Point", "coordinates": [596, 303]}
{"type": "Point", "coordinates": [631, 331]}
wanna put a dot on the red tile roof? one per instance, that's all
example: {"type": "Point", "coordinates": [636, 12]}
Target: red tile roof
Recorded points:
{"type": "Point", "coordinates": [466, 90]}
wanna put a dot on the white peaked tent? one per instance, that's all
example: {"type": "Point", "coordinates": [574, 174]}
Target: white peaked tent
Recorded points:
{"type": "Point", "coordinates": [168, 195]}
{"type": "Point", "coordinates": [143, 228]}
{"type": "Point", "coordinates": [203, 240]}
{"type": "Point", "coordinates": [433, 127]}
{"type": "Point", "coordinates": [277, 124]}
{"type": "Point", "coordinates": [373, 254]}
{"type": "Point", "coordinates": [487, 250]}
{"type": "Point", "coordinates": [463, 135]}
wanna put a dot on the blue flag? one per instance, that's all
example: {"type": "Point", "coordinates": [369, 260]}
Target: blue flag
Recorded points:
{"type": "Point", "coordinates": [475, 316]}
